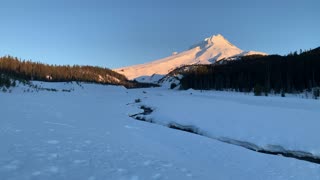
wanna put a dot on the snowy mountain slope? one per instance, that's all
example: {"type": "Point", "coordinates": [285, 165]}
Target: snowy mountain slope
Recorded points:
{"type": "Point", "coordinates": [210, 50]}
{"type": "Point", "coordinates": [86, 134]}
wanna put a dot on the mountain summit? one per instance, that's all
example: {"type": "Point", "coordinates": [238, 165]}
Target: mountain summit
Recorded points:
{"type": "Point", "coordinates": [210, 50]}
{"type": "Point", "coordinates": [215, 40]}
{"type": "Point", "coordinates": [213, 49]}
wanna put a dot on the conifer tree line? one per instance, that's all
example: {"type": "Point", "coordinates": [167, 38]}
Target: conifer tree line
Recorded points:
{"type": "Point", "coordinates": [292, 73]}
{"type": "Point", "coordinates": [12, 67]}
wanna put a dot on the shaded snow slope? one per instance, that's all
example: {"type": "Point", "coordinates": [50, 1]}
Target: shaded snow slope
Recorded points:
{"type": "Point", "coordinates": [86, 134]}
{"type": "Point", "coordinates": [271, 123]}
{"type": "Point", "coordinates": [210, 50]}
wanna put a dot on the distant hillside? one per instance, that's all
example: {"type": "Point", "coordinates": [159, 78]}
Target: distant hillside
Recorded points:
{"type": "Point", "coordinates": [13, 68]}
{"type": "Point", "coordinates": [292, 73]}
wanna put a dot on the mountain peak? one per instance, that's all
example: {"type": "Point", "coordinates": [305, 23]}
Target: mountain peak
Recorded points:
{"type": "Point", "coordinates": [218, 40]}
{"type": "Point", "coordinates": [208, 51]}
{"type": "Point", "coordinates": [214, 37]}
{"type": "Point", "coordinates": [214, 40]}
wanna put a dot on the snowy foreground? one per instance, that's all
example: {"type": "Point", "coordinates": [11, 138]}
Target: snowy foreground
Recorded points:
{"type": "Point", "coordinates": [87, 134]}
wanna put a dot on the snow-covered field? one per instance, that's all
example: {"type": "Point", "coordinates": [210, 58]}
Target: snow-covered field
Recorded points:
{"type": "Point", "coordinates": [87, 134]}
{"type": "Point", "coordinates": [272, 123]}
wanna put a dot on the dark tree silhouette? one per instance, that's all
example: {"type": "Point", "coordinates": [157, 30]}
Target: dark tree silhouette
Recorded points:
{"type": "Point", "coordinates": [13, 68]}
{"type": "Point", "coordinates": [292, 73]}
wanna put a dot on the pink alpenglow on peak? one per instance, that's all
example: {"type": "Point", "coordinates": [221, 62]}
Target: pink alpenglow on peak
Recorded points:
{"type": "Point", "coordinates": [208, 51]}
{"type": "Point", "coordinates": [215, 40]}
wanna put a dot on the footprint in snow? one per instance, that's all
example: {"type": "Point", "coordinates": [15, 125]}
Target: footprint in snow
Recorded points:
{"type": "Point", "coordinates": [36, 173]}
{"type": "Point", "coordinates": [13, 165]}
{"type": "Point", "coordinates": [183, 170]}
{"type": "Point", "coordinates": [167, 165]}
{"type": "Point", "coordinates": [53, 142]}
{"type": "Point", "coordinates": [156, 176]}
{"type": "Point", "coordinates": [134, 178]}
{"type": "Point", "coordinates": [188, 174]}
{"type": "Point", "coordinates": [78, 161]}
{"type": "Point", "coordinates": [52, 156]}
{"type": "Point", "coordinates": [53, 169]}
{"type": "Point", "coordinates": [92, 178]}
{"type": "Point", "coordinates": [120, 170]}
{"type": "Point", "coordinates": [130, 127]}
{"type": "Point", "coordinates": [147, 163]}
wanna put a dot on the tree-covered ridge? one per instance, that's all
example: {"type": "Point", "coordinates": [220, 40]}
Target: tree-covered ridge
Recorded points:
{"type": "Point", "coordinates": [27, 70]}
{"type": "Point", "coordinates": [292, 73]}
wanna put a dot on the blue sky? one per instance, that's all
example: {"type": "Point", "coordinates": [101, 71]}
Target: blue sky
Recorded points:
{"type": "Point", "coordinates": [120, 33]}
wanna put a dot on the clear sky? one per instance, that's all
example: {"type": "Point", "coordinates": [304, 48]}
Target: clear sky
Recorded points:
{"type": "Point", "coordinates": [126, 32]}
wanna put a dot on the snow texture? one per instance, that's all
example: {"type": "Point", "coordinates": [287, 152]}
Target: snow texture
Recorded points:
{"type": "Point", "coordinates": [87, 134]}
{"type": "Point", "coordinates": [268, 122]}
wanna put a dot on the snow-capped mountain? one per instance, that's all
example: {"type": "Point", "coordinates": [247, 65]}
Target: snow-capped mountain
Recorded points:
{"type": "Point", "coordinates": [208, 51]}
